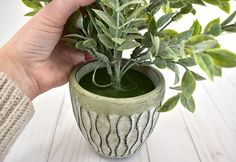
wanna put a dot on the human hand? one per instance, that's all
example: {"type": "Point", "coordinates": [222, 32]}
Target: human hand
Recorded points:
{"type": "Point", "coordinates": [34, 58]}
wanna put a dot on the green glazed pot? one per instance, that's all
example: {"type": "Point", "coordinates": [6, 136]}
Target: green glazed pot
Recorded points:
{"type": "Point", "coordinates": [116, 127]}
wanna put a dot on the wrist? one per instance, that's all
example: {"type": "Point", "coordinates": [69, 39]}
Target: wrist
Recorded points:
{"type": "Point", "coordinates": [14, 70]}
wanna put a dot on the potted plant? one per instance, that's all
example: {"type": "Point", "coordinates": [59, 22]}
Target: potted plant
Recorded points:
{"type": "Point", "coordinates": [117, 100]}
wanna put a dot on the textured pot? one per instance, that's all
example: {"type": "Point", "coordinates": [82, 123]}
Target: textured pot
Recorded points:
{"type": "Point", "coordinates": [114, 127]}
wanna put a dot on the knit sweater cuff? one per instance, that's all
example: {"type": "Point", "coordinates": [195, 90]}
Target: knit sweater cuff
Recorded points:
{"type": "Point", "coordinates": [15, 112]}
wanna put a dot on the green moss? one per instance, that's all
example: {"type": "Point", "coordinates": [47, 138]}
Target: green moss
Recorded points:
{"type": "Point", "coordinates": [133, 84]}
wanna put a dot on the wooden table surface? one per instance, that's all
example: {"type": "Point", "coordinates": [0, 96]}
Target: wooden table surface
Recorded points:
{"type": "Point", "coordinates": [208, 135]}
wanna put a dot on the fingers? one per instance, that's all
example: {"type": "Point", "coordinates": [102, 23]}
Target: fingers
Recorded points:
{"type": "Point", "coordinates": [60, 10]}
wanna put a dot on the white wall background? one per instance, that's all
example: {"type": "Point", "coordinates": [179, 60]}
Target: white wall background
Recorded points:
{"type": "Point", "coordinates": [12, 11]}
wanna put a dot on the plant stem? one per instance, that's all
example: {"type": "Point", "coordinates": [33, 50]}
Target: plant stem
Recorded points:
{"type": "Point", "coordinates": [127, 68]}
{"type": "Point", "coordinates": [172, 19]}
{"type": "Point", "coordinates": [116, 80]}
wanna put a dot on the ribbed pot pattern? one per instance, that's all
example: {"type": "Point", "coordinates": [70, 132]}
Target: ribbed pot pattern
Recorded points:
{"type": "Point", "coordinates": [114, 135]}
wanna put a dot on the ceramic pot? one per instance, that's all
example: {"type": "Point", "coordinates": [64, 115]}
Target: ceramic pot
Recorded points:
{"type": "Point", "coordinates": [116, 127]}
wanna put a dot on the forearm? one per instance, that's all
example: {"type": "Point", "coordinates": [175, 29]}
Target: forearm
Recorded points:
{"type": "Point", "coordinates": [15, 111]}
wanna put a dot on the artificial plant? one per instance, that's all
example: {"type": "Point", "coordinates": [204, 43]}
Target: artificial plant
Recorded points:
{"type": "Point", "coordinates": [109, 27]}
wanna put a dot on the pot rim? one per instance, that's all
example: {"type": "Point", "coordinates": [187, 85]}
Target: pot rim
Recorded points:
{"type": "Point", "coordinates": [158, 90]}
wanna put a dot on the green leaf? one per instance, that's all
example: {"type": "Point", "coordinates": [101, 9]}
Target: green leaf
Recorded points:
{"type": "Point", "coordinates": [80, 46]}
{"type": "Point", "coordinates": [229, 19]}
{"type": "Point", "coordinates": [152, 27]}
{"type": "Point", "coordinates": [104, 59]}
{"type": "Point", "coordinates": [128, 45]}
{"type": "Point", "coordinates": [177, 4]}
{"type": "Point", "coordinates": [75, 22]}
{"type": "Point", "coordinates": [106, 18]}
{"type": "Point", "coordinates": [189, 61]}
{"type": "Point", "coordinates": [74, 36]}
{"type": "Point", "coordinates": [222, 57]}
{"type": "Point", "coordinates": [78, 19]}
{"type": "Point", "coordinates": [230, 28]}
{"type": "Point", "coordinates": [155, 6]}
{"type": "Point", "coordinates": [90, 43]}
{"type": "Point", "coordinates": [131, 30]}
{"type": "Point", "coordinates": [172, 53]}
{"type": "Point", "coordinates": [164, 19]}
{"type": "Point", "coordinates": [213, 2]}
{"type": "Point", "coordinates": [160, 63]}
{"type": "Point", "coordinates": [32, 13]}
{"type": "Point", "coordinates": [184, 36]}
{"type": "Point", "coordinates": [104, 29]}
{"type": "Point", "coordinates": [106, 41]}
{"type": "Point", "coordinates": [177, 88]}
{"type": "Point", "coordinates": [196, 28]}
{"type": "Point", "coordinates": [225, 6]}
{"type": "Point", "coordinates": [170, 32]}
{"type": "Point", "coordinates": [156, 45]}
{"type": "Point", "coordinates": [129, 3]}
{"type": "Point", "coordinates": [199, 2]}
{"type": "Point", "coordinates": [118, 40]}
{"type": "Point", "coordinates": [206, 63]}
{"type": "Point", "coordinates": [35, 4]}
{"type": "Point", "coordinates": [187, 9]}
{"type": "Point", "coordinates": [170, 103]}
{"type": "Point", "coordinates": [198, 39]}
{"type": "Point", "coordinates": [188, 103]}
{"type": "Point", "coordinates": [137, 12]}
{"type": "Point", "coordinates": [91, 30]}
{"type": "Point", "coordinates": [175, 69]}
{"type": "Point", "coordinates": [197, 76]}
{"type": "Point", "coordinates": [205, 45]}
{"type": "Point", "coordinates": [131, 37]}
{"type": "Point", "coordinates": [188, 84]}
{"type": "Point", "coordinates": [109, 3]}
{"type": "Point", "coordinates": [218, 71]}
{"type": "Point", "coordinates": [213, 28]}
{"type": "Point", "coordinates": [147, 40]}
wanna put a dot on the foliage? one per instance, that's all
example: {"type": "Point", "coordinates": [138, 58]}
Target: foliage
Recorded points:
{"type": "Point", "coordinates": [109, 27]}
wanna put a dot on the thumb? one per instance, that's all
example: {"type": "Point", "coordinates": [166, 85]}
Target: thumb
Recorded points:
{"type": "Point", "coordinates": [60, 10]}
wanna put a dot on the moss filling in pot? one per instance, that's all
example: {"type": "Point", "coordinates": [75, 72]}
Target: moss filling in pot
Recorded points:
{"type": "Point", "coordinates": [134, 83]}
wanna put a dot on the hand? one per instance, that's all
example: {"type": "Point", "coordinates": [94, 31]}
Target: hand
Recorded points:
{"type": "Point", "coordinates": [33, 58]}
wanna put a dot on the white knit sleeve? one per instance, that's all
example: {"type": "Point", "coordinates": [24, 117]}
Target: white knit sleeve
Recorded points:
{"type": "Point", "coordinates": [15, 111]}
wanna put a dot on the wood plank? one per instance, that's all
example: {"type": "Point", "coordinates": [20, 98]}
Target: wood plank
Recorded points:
{"type": "Point", "coordinates": [170, 140]}
{"type": "Point", "coordinates": [34, 143]}
{"type": "Point", "coordinates": [210, 133]}
{"type": "Point", "coordinates": [68, 143]}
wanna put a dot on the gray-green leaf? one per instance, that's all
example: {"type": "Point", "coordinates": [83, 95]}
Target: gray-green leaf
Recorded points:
{"type": "Point", "coordinates": [170, 103]}
{"type": "Point", "coordinates": [128, 45]}
{"type": "Point", "coordinates": [188, 84]}
{"type": "Point", "coordinates": [106, 41]}
{"type": "Point", "coordinates": [213, 27]}
{"type": "Point", "coordinates": [196, 28]}
{"type": "Point", "coordinates": [222, 57]}
{"type": "Point", "coordinates": [197, 76]}
{"type": "Point", "coordinates": [106, 18]}
{"type": "Point", "coordinates": [90, 43]}
{"type": "Point", "coordinates": [32, 4]}
{"type": "Point", "coordinates": [188, 103]}
{"type": "Point", "coordinates": [206, 63]}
